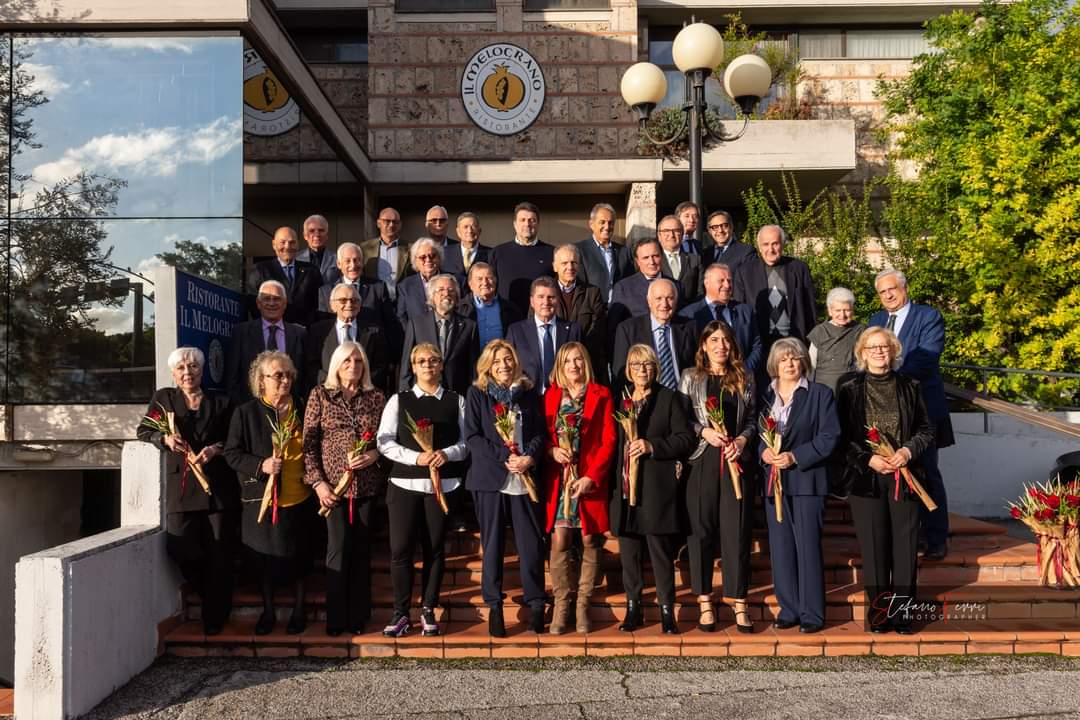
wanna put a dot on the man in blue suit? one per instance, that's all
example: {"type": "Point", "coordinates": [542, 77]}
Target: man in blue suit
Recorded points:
{"type": "Point", "coordinates": [719, 305]}
{"type": "Point", "coordinates": [316, 234]}
{"type": "Point", "coordinates": [537, 338]}
{"type": "Point", "coordinates": [921, 331]}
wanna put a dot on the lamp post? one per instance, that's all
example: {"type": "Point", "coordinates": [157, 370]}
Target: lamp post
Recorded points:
{"type": "Point", "coordinates": [698, 48]}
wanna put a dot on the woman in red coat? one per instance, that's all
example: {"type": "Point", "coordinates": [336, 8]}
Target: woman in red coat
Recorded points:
{"type": "Point", "coordinates": [575, 401]}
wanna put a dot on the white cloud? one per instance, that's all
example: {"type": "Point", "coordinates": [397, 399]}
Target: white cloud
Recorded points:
{"type": "Point", "coordinates": [110, 320]}
{"type": "Point", "coordinates": [147, 153]}
{"type": "Point", "coordinates": [154, 44]}
{"type": "Point", "coordinates": [45, 79]}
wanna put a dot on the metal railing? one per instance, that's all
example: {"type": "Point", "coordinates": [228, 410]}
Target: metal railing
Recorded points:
{"type": "Point", "coordinates": [982, 399]}
{"type": "Point", "coordinates": [985, 371]}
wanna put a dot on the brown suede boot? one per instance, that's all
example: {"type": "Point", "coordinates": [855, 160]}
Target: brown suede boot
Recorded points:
{"type": "Point", "coordinates": [560, 581]}
{"type": "Point", "coordinates": [590, 567]}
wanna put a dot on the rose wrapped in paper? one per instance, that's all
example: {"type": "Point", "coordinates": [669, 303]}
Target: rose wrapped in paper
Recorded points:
{"type": "Point", "coordinates": [714, 410]}
{"type": "Point", "coordinates": [882, 448]}
{"type": "Point", "coordinates": [281, 433]}
{"type": "Point", "coordinates": [1052, 511]}
{"type": "Point", "coordinates": [770, 435]}
{"type": "Point", "coordinates": [627, 418]}
{"type": "Point", "coordinates": [348, 477]}
{"type": "Point", "coordinates": [568, 430]}
{"type": "Point", "coordinates": [505, 424]}
{"type": "Point", "coordinates": [164, 422]}
{"type": "Point", "coordinates": [423, 432]}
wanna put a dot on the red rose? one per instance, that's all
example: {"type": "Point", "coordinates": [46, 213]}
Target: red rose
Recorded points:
{"type": "Point", "coordinates": [1015, 512]}
{"type": "Point", "coordinates": [1052, 501]}
{"type": "Point", "coordinates": [570, 420]}
{"type": "Point", "coordinates": [712, 403]}
{"type": "Point", "coordinates": [155, 415]}
{"type": "Point", "coordinates": [368, 436]}
{"type": "Point", "coordinates": [500, 409]}
{"type": "Point", "coordinates": [1073, 500]}
{"type": "Point", "coordinates": [770, 423]}
{"type": "Point", "coordinates": [873, 435]}
{"type": "Point", "coordinates": [1044, 514]}
{"type": "Point", "coordinates": [423, 424]}
{"type": "Point", "coordinates": [1033, 492]}
{"type": "Point", "coordinates": [627, 404]}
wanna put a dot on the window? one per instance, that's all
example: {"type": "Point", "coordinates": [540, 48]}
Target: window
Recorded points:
{"type": "Point", "coordinates": [567, 4]}
{"type": "Point", "coordinates": [446, 5]}
{"type": "Point", "coordinates": [868, 44]}
{"type": "Point", "coordinates": [332, 47]}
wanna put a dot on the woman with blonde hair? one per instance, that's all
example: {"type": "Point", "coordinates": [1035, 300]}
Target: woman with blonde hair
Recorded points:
{"type": "Point", "coordinates": [495, 478]}
{"type": "Point", "coordinates": [585, 405]}
{"type": "Point", "coordinates": [340, 412]}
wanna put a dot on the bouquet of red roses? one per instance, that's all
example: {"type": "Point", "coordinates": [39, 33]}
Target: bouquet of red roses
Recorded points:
{"type": "Point", "coordinates": [883, 448]}
{"type": "Point", "coordinates": [770, 435]}
{"type": "Point", "coordinates": [348, 476]}
{"type": "Point", "coordinates": [567, 430]}
{"type": "Point", "coordinates": [1052, 511]}
{"type": "Point", "coordinates": [627, 419]}
{"type": "Point", "coordinates": [164, 422]}
{"type": "Point", "coordinates": [714, 410]}
{"type": "Point", "coordinates": [280, 434]}
{"type": "Point", "coordinates": [423, 433]}
{"type": "Point", "coordinates": [505, 423]}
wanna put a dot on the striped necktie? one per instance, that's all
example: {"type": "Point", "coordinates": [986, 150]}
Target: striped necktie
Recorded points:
{"type": "Point", "coordinates": [667, 364]}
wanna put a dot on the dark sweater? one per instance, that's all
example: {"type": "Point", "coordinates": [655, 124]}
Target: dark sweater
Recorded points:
{"type": "Point", "coordinates": [516, 266]}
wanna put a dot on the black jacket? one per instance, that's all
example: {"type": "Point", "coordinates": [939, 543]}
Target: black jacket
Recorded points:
{"type": "Point", "coordinates": [916, 432]}
{"type": "Point", "coordinates": [249, 443]}
{"type": "Point", "coordinates": [322, 341]}
{"type": "Point", "coordinates": [303, 296]}
{"type": "Point", "coordinates": [459, 363]}
{"type": "Point", "coordinates": [246, 344]}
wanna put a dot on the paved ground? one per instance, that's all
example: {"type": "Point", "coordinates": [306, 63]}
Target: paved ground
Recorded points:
{"type": "Point", "coordinates": [594, 689]}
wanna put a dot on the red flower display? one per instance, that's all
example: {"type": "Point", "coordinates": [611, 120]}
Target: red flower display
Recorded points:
{"type": "Point", "coordinates": [367, 436]}
{"type": "Point", "coordinates": [1073, 500]}
{"type": "Point", "coordinates": [713, 403]}
{"type": "Point", "coordinates": [1052, 501]}
{"type": "Point", "coordinates": [500, 409]}
{"type": "Point", "coordinates": [1016, 513]}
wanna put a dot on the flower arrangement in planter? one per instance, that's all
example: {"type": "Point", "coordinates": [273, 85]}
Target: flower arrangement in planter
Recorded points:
{"type": "Point", "coordinates": [1052, 511]}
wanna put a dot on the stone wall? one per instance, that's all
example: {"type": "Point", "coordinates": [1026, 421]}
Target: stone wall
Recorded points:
{"type": "Point", "coordinates": [415, 69]}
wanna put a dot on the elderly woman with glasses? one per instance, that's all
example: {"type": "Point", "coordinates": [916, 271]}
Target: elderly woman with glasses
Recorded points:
{"type": "Point", "coordinates": [664, 438]}
{"type": "Point", "coordinates": [426, 258]}
{"type": "Point", "coordinates": [496, 482]}
{"type": "Point", "coordinates": [884, 510]}
{"type": "Point", "coordinates": [832, 343]}
{"type": "Point", "coordinates": [199, 526]}
{"type": "Point", "coordinates": [281, 542]}
{"type": "Point", "coordinates": [341, 412]}
{"type": "Point", "coordinates": [804, 415]}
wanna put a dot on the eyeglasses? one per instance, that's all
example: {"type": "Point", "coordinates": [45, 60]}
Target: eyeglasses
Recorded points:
{"type": "Point", "coordinates": [278, 376]}
{"type": "Point", "coordinates": [346, 300]}
{"type": "Point", "coordinates": [271, 298]}
{"type": "Point", "coordinates": [641, 365]}
{"type": "Point", "coordinates": [428, 361]}
{"type": "Point", "coordinates": [439, 221]}
{"type": "Point", "coordinates": [721, 226]}
{"type": "Point", "coordinates": [426, 257]}
{"type": "Point", "coordinates": [389, 221]}
{"type": "Point", "coordinates": [878, 348]}
{"type": "Point", "coordinates": [668, 231]}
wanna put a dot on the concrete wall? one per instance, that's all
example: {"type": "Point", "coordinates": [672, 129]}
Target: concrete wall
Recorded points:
{"type": "Point", "coordinates": [87, 612]}
{"type": "Point", "coordinates": [987, 467]}
{"type": "Point", "coordinates": [38, 510]}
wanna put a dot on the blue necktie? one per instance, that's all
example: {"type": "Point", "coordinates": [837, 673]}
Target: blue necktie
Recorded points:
{"type": "Point", "coordinates": [549, 354]}
{"type": "Point", "coordinates": [667, 365]}
{"type": "Point", "coordinates": [289, 274]}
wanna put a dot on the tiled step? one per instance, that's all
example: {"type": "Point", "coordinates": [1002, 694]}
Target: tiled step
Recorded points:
{"type": "Point", "coordinates": [470, 639]}
{"type": "Point", "coordinates": [7, 702]}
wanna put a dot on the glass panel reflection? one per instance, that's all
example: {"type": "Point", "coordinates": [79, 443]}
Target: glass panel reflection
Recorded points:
{"type": "Point", "coordinates": [131, 127]}
{"type": "Point", "coordinates": [82, 311]}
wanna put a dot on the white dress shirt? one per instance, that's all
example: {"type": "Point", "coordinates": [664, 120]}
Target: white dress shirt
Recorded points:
{"type": "Point", "coordinates": [395, 451]}
{"type": "Point", "coordinates": [671, 344]}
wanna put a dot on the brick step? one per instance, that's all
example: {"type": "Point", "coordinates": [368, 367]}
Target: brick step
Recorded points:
{"type": "Point", "coordinates": [470, 639]}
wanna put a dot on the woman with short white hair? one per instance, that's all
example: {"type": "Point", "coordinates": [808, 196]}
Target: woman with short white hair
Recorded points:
{"type": "Point", "coordinates": [199, 526]}
{"type": "Point", "coordinates": [832, 343]}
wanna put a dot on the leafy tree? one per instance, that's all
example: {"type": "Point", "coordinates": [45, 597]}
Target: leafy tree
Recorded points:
{"type": "Point", "coordinates": [991, 223]}
{"type": "Point", "coordinates": [219, 264]}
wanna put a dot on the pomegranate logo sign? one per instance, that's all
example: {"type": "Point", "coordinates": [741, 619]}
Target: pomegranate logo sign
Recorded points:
{"type": "Point", "coordinates": [503, 89]}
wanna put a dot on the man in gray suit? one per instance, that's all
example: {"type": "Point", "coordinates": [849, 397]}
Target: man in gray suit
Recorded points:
{"type": "Point", "coordinates": [316, 234]}
{"type": "Point", "coordinates": [682, 267]}
{"type": "Point", "coordinates": [603, 261]}
{"type": "Point", "coordinates": [269, 331]}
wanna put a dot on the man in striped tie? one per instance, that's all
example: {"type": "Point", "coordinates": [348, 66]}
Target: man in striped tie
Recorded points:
{"type": "Point", "coordinates": [670, 336]}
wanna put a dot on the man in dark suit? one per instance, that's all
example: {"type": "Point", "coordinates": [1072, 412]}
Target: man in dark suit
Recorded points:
{"type": "Point", "coordinates": [726, 248]}
{"type": "Point", "coordinates": [652, 329]}
{"type": "Point", "coordinates": [375, 307]}
{"type": "Point", "coordinates": [458, 259]}
{"type": "Point", "coordinates": [425, 257]}
{"type": "Point", "coordinates": [386, 257]}
{"type": "Point", "coordinates": [492, 314]}
{"type": "Point", "coordinates": [347, 324]}
{"type": "Point", "coordinates": [630, 297]}
{"type": "Point", "coordinates": [779, 288]}
{"type": "Point", "coordinates": [921, 331]}
{"type": "Point", "coordinates": [689, 216]}
{"type": "Point", "coordinates": [603, 261]}
{"type": "Point", "coordinates": [444, 328]}
{"type": "Point", "coordinates": [301, 279]}
{"type": "Point", "coordinates": [525, 258]}
{"type": "Point", "coordinates": [581, 303]}
{"type": "Point", "coordinates": [719, 305]}
{"type": "Point", "coordinates": [316, 234]}
{"type": "Point", "coordinates": [269, 331]}
{"type": "Point", "coordinates": [437, 222]}
{"type": "Point", "coordinates": [539, 337]}
{"type": "Point", "coordinates": [682, 267]}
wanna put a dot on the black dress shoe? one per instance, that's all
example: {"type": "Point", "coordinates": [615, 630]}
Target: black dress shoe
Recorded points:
{"type": "Point", "coordinates": [265, 625]}
{"type": "Point", "coordinates": [810, 629]}
{"type": "Point", "coordinates": [211, 629]}
{"type": "Point", "coordinates": [633, 618]}
{"type": "Point", "coordinates": [357, 629]}
{"type": "Point", "coordinates": [334, 632]}
{"type": "Point", "coordinates": [536, 619]}
{"type": "Point", "coordinates": [785, 624]}
{"type": "Point", "coordinates": [667, 620]}
{"type": "Point", "coordinates": [881, 627]}
{"type": "Point", "coordinates": [297, 624]}
{"type": "Point", "coordinates": [903, 627]}
{"type": "Point", "coordinates": [496, 625]}
{"type": "Point", "coordinates": [936, 552]}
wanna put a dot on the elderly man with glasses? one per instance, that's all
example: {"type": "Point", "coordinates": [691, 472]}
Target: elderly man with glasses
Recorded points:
{"type": "Point", "coordinates": [269, 331]}
{"type": "Point", "coordinates": [348, 323]}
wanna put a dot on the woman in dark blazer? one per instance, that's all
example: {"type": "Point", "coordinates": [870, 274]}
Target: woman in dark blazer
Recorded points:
{"type": "Point", "coordinates": [573, 391]}
{"type": "Point", "coordinates": [885, 512]}
{"type": "Point", "coordinates": [664, 439]}
{"type": "Point", "coordinates": [494, 479]}
{"type": "Point", "coordinates": [711, 504]}
{"type": "Point", "coordinates": [281, 549]}
{"type": "Point", "coordinates": [200, 528]}
{"type": "Point", "coordinates": [805, 413]}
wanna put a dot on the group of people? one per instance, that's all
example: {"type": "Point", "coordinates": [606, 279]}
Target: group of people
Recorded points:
{"type": "Point", "coordinates": [650, 393]}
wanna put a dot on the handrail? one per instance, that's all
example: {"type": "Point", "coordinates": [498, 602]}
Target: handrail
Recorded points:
{"type": "Point", "coordinates": [1015, 371]}
{"type": "Point", "coordinates": [1031, 417]}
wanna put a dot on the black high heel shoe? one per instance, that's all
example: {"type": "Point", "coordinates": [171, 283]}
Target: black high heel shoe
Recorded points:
{"type": "Point", "coordinates": [667, 620]}
{"type": "Point", "coordinates": [706, 611]}
{"type": "Point", "coordinates": [748, 626]}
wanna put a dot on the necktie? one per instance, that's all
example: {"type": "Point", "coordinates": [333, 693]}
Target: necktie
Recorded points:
{"type": "Point", "coordinates": [715, 307]}
{"type": "Point", "coordinates": [289, 275]}
{"type": "Point", "coordinates": [349, 333]}
{"type": "Point", "coordinates": [444, 335]}
{"type": "Point", "coordinates": [891, 325]}
{"type": "Point", "coordinates": [468, 258]}
{"type": "Point", "coordinates": [674, 264]}
{"type": "Point", "coordinates": [549, 354]}
{"type": "Point", "coordinates": [667, 363]}
{"type": "Point", "coordinates": [271, 337]}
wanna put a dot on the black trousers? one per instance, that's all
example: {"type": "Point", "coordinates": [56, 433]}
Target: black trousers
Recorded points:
{"type": "Point", "coordinates": [201, 543]}
{"type": "Point", "coordinates": [935, 525]}
{"type": "Point", "coordinates": [662, 549]}
{"type": "Point", "coordinates": [415, 517]}
{"type": "Point", "coordinates": [492, 511]}
{"type": "Point", "coordinates": [795, 552]}
{"type": "Point", "coordinates": [348, 564]}
{"type": "Point", "coordinates": [732, 538]}
{"type": "Point", "coordinates": [888, 532]}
